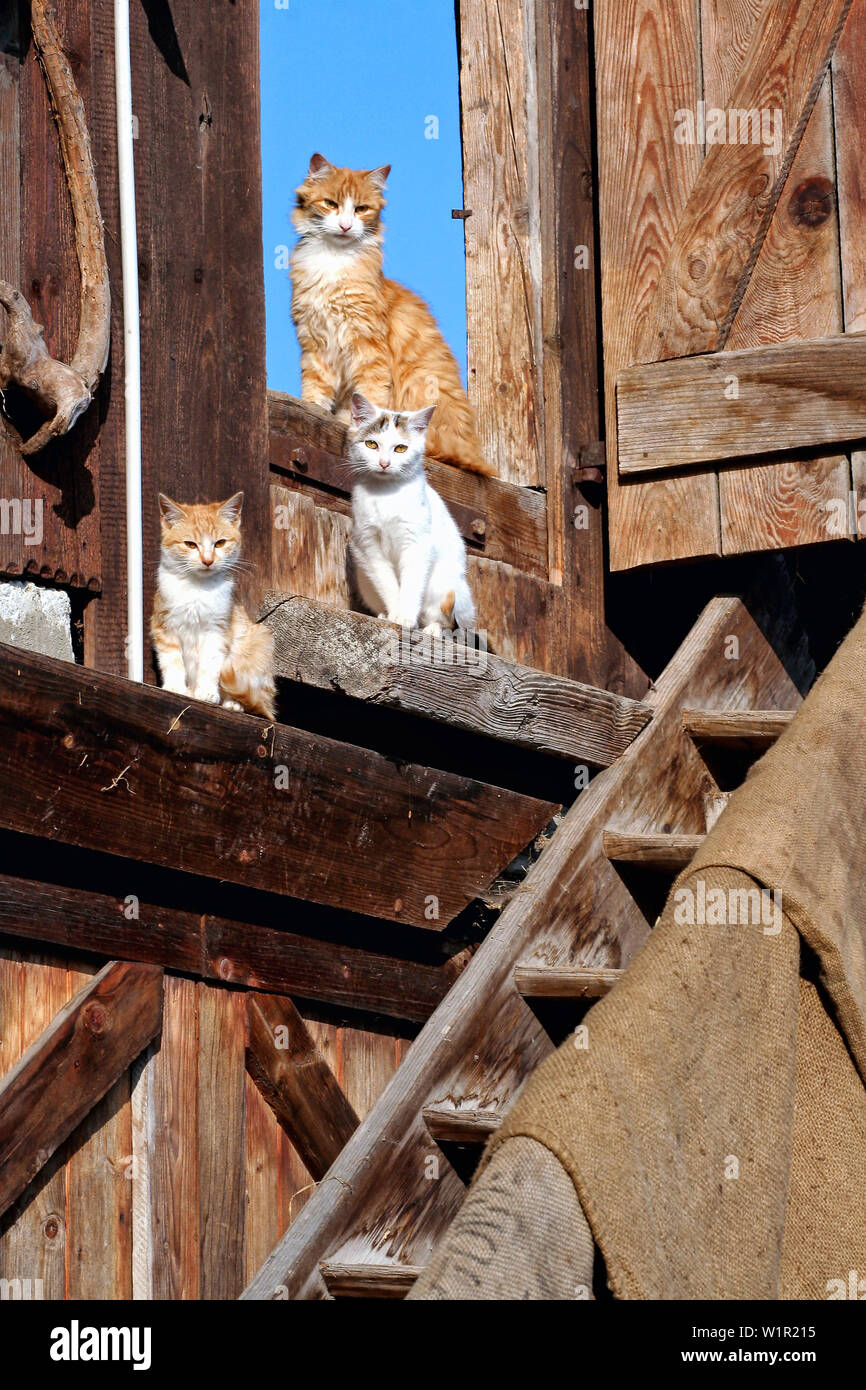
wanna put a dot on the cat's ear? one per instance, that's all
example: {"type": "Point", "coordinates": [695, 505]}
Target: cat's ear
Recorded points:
{"type": "Point", "coordinates": [363, 413]}
{"type": "Point", "coordinates": [319, 167]}
{"type": "Point", "coordinates": [420, 419]}
{"type": "Point", "coordinates": [377, 177]}
{"type": "Point", "coordinates": [230, 511]}
{"type": "Point", "coordinates": [170, 512]}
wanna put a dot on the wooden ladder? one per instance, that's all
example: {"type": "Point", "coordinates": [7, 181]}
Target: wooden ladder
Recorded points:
{"type": "Point", "coordinates": [564, 940]}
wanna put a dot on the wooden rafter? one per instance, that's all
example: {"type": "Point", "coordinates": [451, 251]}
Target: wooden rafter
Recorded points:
{"type": "Point", "coordinates": [71, 1065]}
{"type": "Point", "coordinates": [296, 1081]}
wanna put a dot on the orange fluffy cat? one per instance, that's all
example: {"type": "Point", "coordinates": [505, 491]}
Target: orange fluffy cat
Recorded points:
{"type": "Point", "coordinates": [361, 332]}
{"type": "Point", "coordinates": [206, 644]}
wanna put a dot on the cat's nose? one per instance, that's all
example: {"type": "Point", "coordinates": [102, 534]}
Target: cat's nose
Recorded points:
{"type": "Point", "coordinates": [207, 560]}
{"type": "Point", "coordinates": [384, 463]}
{"type": "Point", "coordinates": [346, 226]}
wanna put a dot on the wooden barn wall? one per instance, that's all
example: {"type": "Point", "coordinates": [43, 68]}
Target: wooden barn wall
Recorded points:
{"type": "Point", "coordinates": [808, 280]}
{"type": "Point", "coordinates": [181, 1181]}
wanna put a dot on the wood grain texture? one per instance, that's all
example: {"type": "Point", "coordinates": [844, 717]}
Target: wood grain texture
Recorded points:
{"type": "Point", "coordinates": [33, 1232]}
{"type": "Point", "coordinates": [71, 1065]}
{"type": "Point", "coordinates": [793, 395]}
{"type": "Point", "coordinates": [562, 982]}
{"type": "Point", "coordinates": [221, 1143]}
{"type": "Point", "coordinates": [98, 1174]}
{"type": "Point", "coordinates": [647, 67]}
{"type": "Point", "coordinates": [368, 1280]}
{"type": "Point", "coordinates": [502, 277]}
{"type": "Point", "coordinates": [736, 191]}
{"type": "Point", "coordinates": [752, 729]}
{"type": "Point", "coordinates": [297, 1082]}
{"type": "Point", "coordinates": [573, 911]}
{"type": "Point", "coordinates": [140, 772]}
{"type": "Point", "coordinates": [514, 517]}
{"type": "Point", "coordinates": [664, 853]}
{"type": "Point", "coordinates": [449, 683]}
{"type": "Point", "coordinates": [173, 1103]}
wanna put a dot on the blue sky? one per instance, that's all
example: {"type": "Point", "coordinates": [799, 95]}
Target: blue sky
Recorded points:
{"type": "Point", "coordinates": [359, 80]}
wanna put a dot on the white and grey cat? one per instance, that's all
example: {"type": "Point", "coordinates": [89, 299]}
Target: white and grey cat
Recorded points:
{"type": "Point", "coordinates": [409, 557]}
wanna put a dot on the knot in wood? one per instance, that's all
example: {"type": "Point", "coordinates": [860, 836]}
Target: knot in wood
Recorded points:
{"type": "Point", "coordinates": [758, 185]}
{"type": "Point", "coordinates": [51, 1227]}
{"type": "Point", "coordinates": [298, 458]}
{"type": "Point", "coordinates": [698, 268]}
{"type": "Point", "coordinates": [811, 202]}
{"type": "Point", "coordinates": [479, 527]}
{"type": "Point", "coordinates": [97, 1019]}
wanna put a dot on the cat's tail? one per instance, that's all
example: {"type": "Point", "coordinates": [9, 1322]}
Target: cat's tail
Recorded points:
{"type": "Point", "coordinates": [248, 672]}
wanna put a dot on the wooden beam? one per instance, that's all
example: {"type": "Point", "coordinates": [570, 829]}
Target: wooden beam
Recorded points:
{"type": "Point", "coordinates": [307, 449]}
{"type": "Point", "coordinates": [449, 682]}
{"type": "Point", "coordinates": [665, 853]}
{"type": "Point", "coordinates": [297, 1083]}
{"type": "Point", "coordinates": [753, 729]}
{"type": "Point", "coordinates": [71, 1065]}
{"type": "Point", "coordinates": [564, 982]}
{"type": "Point", "coordinates": [795, 396]}
{"type": "Point", "coordinates": [731, 204]}
{"type": "Point", "coordinates": [102, 763]}
{"type": "Point", "coordinates": [368, 1280]}
{"type": "Point", "coordinates": [468, 1124]}
{"type": "Point", "coordinates": [227, 949]}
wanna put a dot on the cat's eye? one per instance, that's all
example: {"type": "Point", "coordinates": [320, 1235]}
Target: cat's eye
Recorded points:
{"type": "Point", "coordinates": [371, 444]}
{"type": "Point", "coordinates": [219, 542]}
{"type": "Point", "coordinates": [362, 207]}
{"type": "Point", "coordinates": [191, 545]}
{"type": "Point", "coordinates": [400, 448]}
{"type": "Point", "coordinates": [329, 204]}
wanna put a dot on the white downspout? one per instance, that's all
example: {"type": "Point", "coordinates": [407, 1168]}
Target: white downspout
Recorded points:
{"type": "Point", "coordinates": [131, 342]}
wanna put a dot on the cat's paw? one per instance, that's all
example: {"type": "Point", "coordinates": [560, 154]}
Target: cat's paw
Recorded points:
{"type": "Point", "coordinates": [209, 696]}
{"type": "Point", "coordinates": [233, 704]}
{"type": "Point", "coordinates": [408, 620]}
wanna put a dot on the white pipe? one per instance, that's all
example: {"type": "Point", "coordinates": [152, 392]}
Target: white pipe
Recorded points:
{"type": "Point", "coordinates": [131, 342]}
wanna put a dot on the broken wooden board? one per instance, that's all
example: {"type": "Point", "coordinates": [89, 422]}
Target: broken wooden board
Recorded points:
{"type": "Point", "coordinates": [574, 912]}
{"type": "Point", "coordinates": [99, 762]}
{"type": "Point", "coordinates": [790, 396]}
{"type": "Point", "coordinates": [70, 1066]}
{"type": "Point", "coordinates": [449, 681]}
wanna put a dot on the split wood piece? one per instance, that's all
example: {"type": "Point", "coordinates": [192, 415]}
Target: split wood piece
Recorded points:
{"type": "Point", "coordinates": [69, 1068]}
{"type": "Point", "coordinates": [733, 199]}
{"type": "Point", "coordinates": [224, 949]}
{"type": "Point", "coordinates": [665, 853]}
{"type": "Point", "coordinates": [754, 729]}
{"type": "Point", "coordinates": [62, 392]}
{"type": "Point", "coordinates": [105, 764]}
{"type": "Point", "coordinates": [449, 681]}
{"type": "Point", "coordinates": [470, 1124]}
{"type": "Point", "coordinates": [501, 521]}
{"type": "Point", "coordinates": [795, 396]}
{"type": "Point", "coordinates": [368, 1280]}
{"type": "Point", "coordinates": [484, 1041]}
{"type": "Point", "coordinates": [296, 1081]}
{"type": "Point", "coordinates": [564, 982]}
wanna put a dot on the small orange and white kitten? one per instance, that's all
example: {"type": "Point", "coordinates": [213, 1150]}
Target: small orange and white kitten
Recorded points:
{"type": "Point", "coordinates": [206, 644]}
{"type": "Point", "coordinates": [361, 332]}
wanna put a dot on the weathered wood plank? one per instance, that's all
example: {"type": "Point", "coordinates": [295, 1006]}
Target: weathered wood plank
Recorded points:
{"type": "Point", "coordinates": [502, 275]}
{"type": "Point", "coordinates": [297, 1082]}
{"type": "Point", "coordinates": [452, 1124]}
{"type": "Point", "coordinates": [748, 729]}
{"type": "Point", "coordinates": [449, 682]}
{"type": "Point", "coordinates": [98, 1173]}
{"type": "Point", "coordinates": [226, 949]}
{"type": "Point", "coordinates": [98, 762]}
{"type": "Point", "coordinates": [498, 519]}
{"type": "Point", "coordinates": [648, 67]}
{"type": "Point", "coordinates": [368, 1280]}
{"type": "Point", "coordinates": [493, 1039]}
{"type": "Point", "coordinates": [33, 1231]}
{"type": "Point", "coordinates": [221, 1145]}
{"type": "Point", "coordinates": [665, 852]}
{"type": "Point", "coordinates": [563, 982]}
{"type": "Point", "coordinates": [71, 1066]}
{"type": "Point", "coordinates": [736, 191]}
{"type": "Point", "coordinates": [173, 1101]}
{"type": "Point", "coordinates": [796, 395]}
